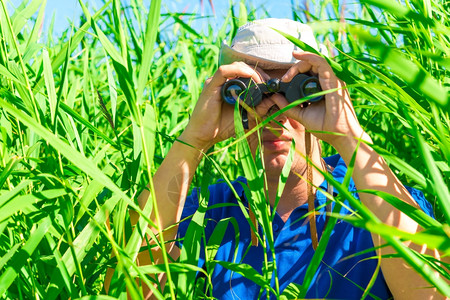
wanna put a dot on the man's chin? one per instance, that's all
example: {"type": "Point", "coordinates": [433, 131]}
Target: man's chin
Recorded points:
{"type": "Point", "coordinates": [274, 163]}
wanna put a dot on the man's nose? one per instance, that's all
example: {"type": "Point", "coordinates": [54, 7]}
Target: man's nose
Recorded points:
{"type": "Point", "coordinates": [267, 107]}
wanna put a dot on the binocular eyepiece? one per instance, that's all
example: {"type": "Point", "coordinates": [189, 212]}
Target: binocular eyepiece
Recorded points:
{"type": "Point", "coordinates": [252, 94]}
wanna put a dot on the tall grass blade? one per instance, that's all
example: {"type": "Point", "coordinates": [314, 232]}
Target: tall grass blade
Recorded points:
{"type": "Point", "coordinates": [20, 258]}
{"type": "Point", "coordinates": [70, 153]}
{"type": "Point", "coordinates": [86, 118]}
{"type": "Point", "coordinates": [149, 44]}
{"type": "Point", "coordinates": [50, 85]}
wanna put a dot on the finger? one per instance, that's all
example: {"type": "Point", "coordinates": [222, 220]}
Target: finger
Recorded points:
{"type": "Point", "coordinates": [300, 67]}
{"type": "Point", "coordinates": [234, 70]}
{"type": "Point", "coordinates": [336, 101]}
{"type": "Point", "coordinates": [281, 102]}
{"type": "Point", "coordinates": [347, 96]}
{"type": "Point", "coordinates": [263, 75]}
{"type": "Point", "coordinates": [320, 66]}
{"type": "Point", "coordinates": [262, 108]}
{"type": "Point", "coordinates": [267, 108]}
{"type": "Point", "coordinates": [207, 81]}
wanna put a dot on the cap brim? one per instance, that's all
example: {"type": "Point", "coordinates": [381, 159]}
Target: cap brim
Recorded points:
{"type": "Point", "coordinates": [228, 55]}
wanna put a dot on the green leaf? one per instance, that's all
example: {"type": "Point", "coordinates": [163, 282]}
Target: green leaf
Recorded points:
{"type": "Point", "coordinates": [50, 84]}
{"type": "Point", "coordinates": [83, 241]}
{"type": "Point", "coordinates": [86, 123]}
{"type": "Point", "coordinates": [20, 258]}
{"type": "Point", "coordinates": [440, 187]}
{"type": "Point", "coordinates": [6, 257]}
{"type": "Point", "coordinates": [414, 213]}
{"type": "Point", "coordinates": [107, 45]}
{"type": "Point", "coordinates": [21, 17]}
{"type": "Point", "coordinates": [185, 26]}
{"type": "Point", "coordinates": [248, 272]}
{"type": "Point", "coordinates": [255, 179]}
{"type": "Point", "coordinates": [413, 74]}
{"type": "Point", "coordinates": [292, 291]}
{"type": "Point", "coordinates": [174, 267]}
{"type": "Point", "coordinates": [150, 38]}
{"type": "Point", "coordinates": [97, 297]}
{"type": "Point", "coordinates": [6, 73]}
{"type": "Point", "coordinates": [71, 154]}
{"type": "Point", "coordinates": [190, 252]}
{"type": "Point", "coordinates": [402, 12]}
{"type": "Point", "coordinates": [319, 253]}
{"type": "Point", "coordinates": [26, 201]}
{"type": "Point", "coordinates": [112, 91]}
{"type": "Point", "coordinates": [284, 175]}
{"type": "Point", "coordinates": [6, 172]}
{"type": "Point", "coordinates": [216, 238]}
{"type": "Point", "coordinates": [433, 241]}
{"type": "Point", "coordinates": [243, 15]}
{"type": "Point", "coordinates": [149, 124]}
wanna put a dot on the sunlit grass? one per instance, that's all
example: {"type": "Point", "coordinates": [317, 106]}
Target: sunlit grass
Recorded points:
{"type": "Point", "coordinates": [86, 119]}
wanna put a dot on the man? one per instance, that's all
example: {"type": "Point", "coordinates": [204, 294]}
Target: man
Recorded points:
{"type": "Point", "coordinates": [260, 53]}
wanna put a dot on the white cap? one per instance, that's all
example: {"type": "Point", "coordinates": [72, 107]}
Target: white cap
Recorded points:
{"type": "Point", "coordinates": [257, 43]}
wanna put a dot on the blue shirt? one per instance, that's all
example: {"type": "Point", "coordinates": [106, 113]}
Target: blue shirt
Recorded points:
{"type": "Point", "coordinates": [340, 275]}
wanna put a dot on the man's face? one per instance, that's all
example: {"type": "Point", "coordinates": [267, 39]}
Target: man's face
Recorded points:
{"type": "Point", "coordinates": [276, 139]}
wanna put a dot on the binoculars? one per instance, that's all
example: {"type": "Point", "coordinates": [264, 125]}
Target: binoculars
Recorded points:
{"type": "Point", "coordinates": [252, 94]}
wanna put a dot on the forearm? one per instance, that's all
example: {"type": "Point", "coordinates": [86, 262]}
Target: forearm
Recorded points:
{"type": "Point", "coordinates": [172, 180]}
{"type": "Point", "coordinates": [372, 172]}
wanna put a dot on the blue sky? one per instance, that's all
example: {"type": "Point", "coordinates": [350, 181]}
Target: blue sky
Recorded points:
{"type": "Point", "coordinates": [70, 9]}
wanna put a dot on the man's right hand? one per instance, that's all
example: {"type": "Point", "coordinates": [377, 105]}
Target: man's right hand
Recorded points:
{"type": "Point", "coordinates": [212, 120]}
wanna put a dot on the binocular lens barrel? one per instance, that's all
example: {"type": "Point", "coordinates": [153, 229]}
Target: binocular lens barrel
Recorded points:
{"type": "Point", "coordinates": [300, 86]}
{"type": "Point", "coordinates": [311, 86]}
{"type": "Point", "coordinates": [231, 91]}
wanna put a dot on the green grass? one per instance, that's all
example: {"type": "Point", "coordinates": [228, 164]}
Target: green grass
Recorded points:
{"type": "Point", "coordinates": [86, 118]}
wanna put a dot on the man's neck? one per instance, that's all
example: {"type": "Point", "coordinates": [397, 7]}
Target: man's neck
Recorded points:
{"type": "Point", "coordinates": [295, 192]}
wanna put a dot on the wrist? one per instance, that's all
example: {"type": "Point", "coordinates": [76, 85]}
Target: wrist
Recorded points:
{"type": "Point", "coordinates": [191, 140]}
{"type": "Point", "coordinates": [347, 144]}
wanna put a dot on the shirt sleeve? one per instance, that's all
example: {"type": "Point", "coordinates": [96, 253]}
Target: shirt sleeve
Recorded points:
{"type": "Point", "coordinates": [420, 199]}
{"type": "Point", "coordinates": [340, 170]}
{"type": "Point", "coordinates": [219, 194]}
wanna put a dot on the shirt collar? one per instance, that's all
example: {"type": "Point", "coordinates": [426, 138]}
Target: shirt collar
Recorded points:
{"type": "Point", "coordinates": [339, 170]}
